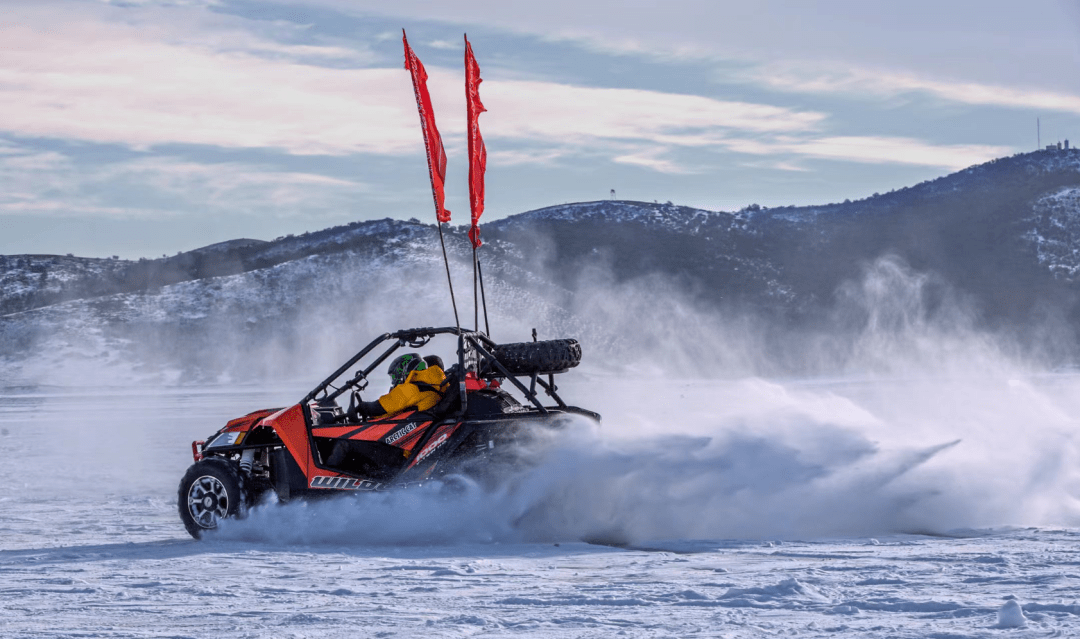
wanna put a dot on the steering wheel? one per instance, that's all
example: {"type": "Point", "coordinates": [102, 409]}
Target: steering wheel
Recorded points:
{"type": "Point", "coordinates": [353, 414]}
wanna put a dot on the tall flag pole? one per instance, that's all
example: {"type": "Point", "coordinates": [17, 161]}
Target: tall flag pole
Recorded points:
{"type": "Point", "coordinates": [477, 168]}
{"type": "Point", "coordinates": [436, 155]}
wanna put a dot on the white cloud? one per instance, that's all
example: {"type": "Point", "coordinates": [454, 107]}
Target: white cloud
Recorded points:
{"type": "Point", "coordinates": [545, 110]}
{"type": "Point", "coordinates": [47, 183]}
{"type": "Point", "coordinates": [776, 166]}
{"type": "Point", "coordinates": [1012, 54]}
{"type": "Point", "coordinates": [858, 81]}
{"type": "Point", "coordinates": [237, 185]}
{"type": "Point", "coordinates": [99, 81]}
{"type": "Point", "coordinates": [163, 3]}
{"type": "Point", "coordinates": [514, 157]}
{"type": "Point", "coordinates": [144, 84]}
{"type": "Point", "coordinates": [874, 149]}
{"type": "Point", "coordinates": [22, 160]}
{"type": "Point", "coordinates": [55, 184]}
{"type": "Point", "coordinates": [108, 82]}
{"type": "Point", "coordinates": [652, 159]}
{"type": "Point", "coordinates": [446, 45]}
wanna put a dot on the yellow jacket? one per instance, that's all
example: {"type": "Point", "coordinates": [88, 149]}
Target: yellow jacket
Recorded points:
{"type": "Point", "coordinates": [422, 389]}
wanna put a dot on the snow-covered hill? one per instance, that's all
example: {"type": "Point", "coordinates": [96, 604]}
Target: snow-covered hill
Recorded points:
{"type": "Point", "coordinates": [1004, 236]}
{"type": "Point", "coordinates": [1055, 232]}
{"type": "Point", "coordinates": [31, 281]}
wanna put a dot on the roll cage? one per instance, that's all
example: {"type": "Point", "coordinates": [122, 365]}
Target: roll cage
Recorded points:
{"type": "Point", "coordinates": [476, 356]}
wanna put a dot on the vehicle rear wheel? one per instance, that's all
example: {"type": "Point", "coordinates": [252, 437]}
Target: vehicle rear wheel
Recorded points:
{"type": "Point", "coordinates": [211, 490]}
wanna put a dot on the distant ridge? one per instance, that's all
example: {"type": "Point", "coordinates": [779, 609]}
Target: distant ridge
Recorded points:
{"type": "Point", "coordinates": [1004, 234]}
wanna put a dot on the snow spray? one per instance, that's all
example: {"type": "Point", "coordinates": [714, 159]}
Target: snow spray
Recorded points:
{"type": "Point", "coordinates": [907, 418]}
{"type": "Point", "coordinates": [927, 425]}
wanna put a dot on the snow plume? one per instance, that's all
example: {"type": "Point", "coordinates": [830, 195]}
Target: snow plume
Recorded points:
{"type": "Point", "coordinates": [759, 459]}
{"type": "Point", "coordinates": [891, 320]}
{"type": "Point", "coordinates": [925, 425]}
{"type": "Point", "coordinates": [895, 320]}
{"type": "Point", "coordinates": [749, 459]}
{"type": "Point", "coordinates": [295, 321]}
{"type": "Point", "coordinates": [913, 420]}
{"type": "Point", "coordinates": [656, 326]}
{"type": "Point", "coordinates": [300, 319]}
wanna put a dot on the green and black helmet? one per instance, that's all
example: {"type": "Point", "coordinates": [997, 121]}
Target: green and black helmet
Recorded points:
{"type": "Point", "coordinates": [403, 365]}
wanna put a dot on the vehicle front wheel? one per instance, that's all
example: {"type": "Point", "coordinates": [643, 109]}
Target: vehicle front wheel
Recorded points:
{"type": "Point", "coordinates": [211, 490]}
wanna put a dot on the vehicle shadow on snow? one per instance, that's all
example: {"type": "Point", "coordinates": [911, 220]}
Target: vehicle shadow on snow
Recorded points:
{"type": "Point", "coordinates": [164, 549]}
{"type": "Point", "coordinates": [182, 548]}
{"type": "Point", "coordinates": [185, 548]}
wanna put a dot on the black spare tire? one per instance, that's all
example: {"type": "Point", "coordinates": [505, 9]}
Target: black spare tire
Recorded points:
{"type": "Point", "coordinates": [548, 356]}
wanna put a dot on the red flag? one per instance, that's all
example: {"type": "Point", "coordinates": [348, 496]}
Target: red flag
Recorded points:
{"type": "Point", "coordinates": [477, 151]}
{"type": "Point", "coordinates": [432, 140]}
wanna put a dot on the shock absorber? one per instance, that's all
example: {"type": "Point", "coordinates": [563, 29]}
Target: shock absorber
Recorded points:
{"type": "Point", "coordinates": [247, 458]}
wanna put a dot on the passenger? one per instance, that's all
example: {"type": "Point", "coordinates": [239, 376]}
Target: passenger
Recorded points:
{"type": "Point", "coordinates": [415, 383]}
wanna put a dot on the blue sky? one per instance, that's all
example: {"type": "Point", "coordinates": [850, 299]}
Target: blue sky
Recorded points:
{"type": "Point", "coordinates": [144, 127]}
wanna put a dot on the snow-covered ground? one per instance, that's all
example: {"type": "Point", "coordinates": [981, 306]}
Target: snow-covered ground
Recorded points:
{"type": "Point", "coordinates": [914, 507]}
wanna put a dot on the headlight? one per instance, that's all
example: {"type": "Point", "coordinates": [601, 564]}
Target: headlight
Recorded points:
{"type": "Point", "coordinates": [227, 439]}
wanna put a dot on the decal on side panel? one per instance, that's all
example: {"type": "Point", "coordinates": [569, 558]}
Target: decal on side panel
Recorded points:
{"type": "Point", "coordinates": [343, 483]}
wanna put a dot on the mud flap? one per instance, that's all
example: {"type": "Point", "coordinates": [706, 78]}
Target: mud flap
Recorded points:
{"type": "Point", "coordinates": [286, 474]}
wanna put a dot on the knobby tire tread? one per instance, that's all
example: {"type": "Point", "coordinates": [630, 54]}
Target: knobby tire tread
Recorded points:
{"type": "Point", "coordinates": [544, 357]}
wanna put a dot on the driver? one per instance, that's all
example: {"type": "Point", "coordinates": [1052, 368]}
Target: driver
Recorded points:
{"type": "Point", "coordinates": [415, 382]}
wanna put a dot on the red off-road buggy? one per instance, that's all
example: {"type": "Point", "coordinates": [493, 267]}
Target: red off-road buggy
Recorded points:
{"type": "Point", "coordinates": [474, 432]}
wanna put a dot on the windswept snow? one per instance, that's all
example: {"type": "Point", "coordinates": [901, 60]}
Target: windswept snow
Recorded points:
{"type": "Point", "coordinates": [903, 586]}
{"type": "Point", "coordinates": [1011, 615]}
{"type": "Point", "coordinates": [91, 545]}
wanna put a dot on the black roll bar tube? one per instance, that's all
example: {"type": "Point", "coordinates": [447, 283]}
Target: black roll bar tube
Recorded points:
{"type": "Point", "coordinates": [461, 375]}
{"type": "Point", "coordinates": [367, 371]}
{"type": "Point", "coordinates": [407, 335]}
{"type": "Point", "coordinates": [349, 364]}
{"type": "Point", "coordinates": [550, 390]}
{"type": "Point", "coordinates": [484, 338]}
{"type": "Point", "coordinates": [429, 332]}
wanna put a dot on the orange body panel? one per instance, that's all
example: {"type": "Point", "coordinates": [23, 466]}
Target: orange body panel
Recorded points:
{"type": "Point", "coordinates": [289, 425]}
{"type": "Point", "coordinates": [376, 431]}
{"type": "Point", "coordinates": [249, 420]}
